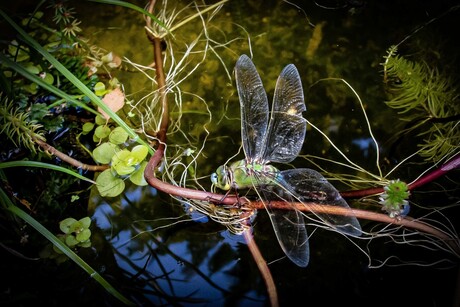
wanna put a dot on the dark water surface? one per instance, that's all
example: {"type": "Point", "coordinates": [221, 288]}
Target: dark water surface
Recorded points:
{"type": "Point", "coordinates": [156, 252]}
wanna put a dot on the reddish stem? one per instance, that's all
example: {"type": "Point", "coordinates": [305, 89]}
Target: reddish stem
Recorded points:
{"type": "Point", "coordinates": [446, 167]}
{"type": "Point", "coordinates": [433, 175]}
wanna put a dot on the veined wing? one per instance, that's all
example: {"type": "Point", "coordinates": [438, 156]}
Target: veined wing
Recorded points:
{"type": "Point", "coordinates": [254, 107]}
{"type": "Point", "coordinates": [286, 130]}
{"type": "Point", "coordinates": [289, 225]}
{"type": "Point", "coordinates": [307, 185]}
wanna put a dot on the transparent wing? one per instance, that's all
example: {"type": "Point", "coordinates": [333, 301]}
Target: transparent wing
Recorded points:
{"type": "Point", "coordinates": [286, 130]}
{"type": "Point", "coordinates": [289, 225]}
{"type": "Point", "coordinates": [307, 185]}
{"type": "Point", "coordinates": [254, 107]}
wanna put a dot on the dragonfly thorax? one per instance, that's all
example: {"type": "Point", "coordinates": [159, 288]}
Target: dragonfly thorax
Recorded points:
{"type": "Point", "coordinates": [243, 175]}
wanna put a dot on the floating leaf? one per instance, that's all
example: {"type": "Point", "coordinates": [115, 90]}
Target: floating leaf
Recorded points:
{"type": "Point", "coordinates": [85, 244]}
{"type": "Point", "coordinates": [115, 100]}
{"type": "Point", "coordinates": [100, 120]}
{"type": "Point", "coordinates": [83, 235]}
{"type": "Point", "coordinates": [19, 54]}
{"type": "Point", "coordinates": [87, 127]}
{"type": "Point", "coordinates": [118, 136]}
{"type": "Point", "coordinates": [85, 222]}
{"type": "Point", "coordinates": [31, 88]}
{"type": "Point", "coordinates": [71, 241]}
{"type": "Point", "coordinates": [102, 132]}
{"type": "Point", "coordinates": [104, 152]}
{"type": "Point", "coordinates": [66, 224]}
{"type": "Point", "coordinates": [47, 77]}
{"type": "Point", "coordinates": [139, 152]}
{"type": "Point", "coordinates": [124, 162]}
{"type": "Point", "coordinates": [138, 176]}
{"type": "Point", "coordinates": [99, 89]}
{"type": "Point", "coordinates": [108, 185]}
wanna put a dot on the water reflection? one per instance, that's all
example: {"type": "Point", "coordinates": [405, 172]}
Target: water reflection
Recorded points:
{"type": "Point", "coordinates": [172, 260]}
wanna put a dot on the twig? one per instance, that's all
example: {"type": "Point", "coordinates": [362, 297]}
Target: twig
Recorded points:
{"type": "Point", "coordinates": [66, 158]}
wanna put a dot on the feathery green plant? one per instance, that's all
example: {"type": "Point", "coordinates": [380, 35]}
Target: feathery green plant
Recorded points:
{"type": "Point", "coordinates": [428, 99]}
{"type": "Point", "coordinates": [17, 127]}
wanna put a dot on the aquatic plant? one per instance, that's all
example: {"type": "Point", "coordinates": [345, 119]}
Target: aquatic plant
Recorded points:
{"type": "Point", "coordinates": [428, 100]}
{"type": "Point", "coordinates": [17, 127]}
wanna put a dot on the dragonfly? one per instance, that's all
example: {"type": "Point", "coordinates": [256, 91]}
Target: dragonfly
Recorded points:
{"type": "Point", "coordinates": [278, 136]}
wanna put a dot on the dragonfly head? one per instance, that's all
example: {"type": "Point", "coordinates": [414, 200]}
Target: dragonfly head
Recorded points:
{"type": "Point", "coordinates": [221, 178]}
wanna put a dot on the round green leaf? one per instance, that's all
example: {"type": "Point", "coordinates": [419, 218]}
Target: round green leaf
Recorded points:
{"type": "Point", "coordinates": [71, 241]}
{"type": "Point", "coordinates": [87, 127]}
{"type": "Point", "coordinates": [76, 227]}
{"type": "Point", "coordinates": [48, 78]}
{"type": "Point", "coordinates": [99, 89]}
{"type": "Point", "coordinates": [124, 163]}
{"type": "Point", "coordinates": [102, 132]}
{"type": "Point", "coordinates": [104, 152]}
{"type": "Point", "coordinates": [83, 235]}
{"type": "Point", "coordinates": [118, 136]}
{"type": "Point", "coordinates": [139, 152]}
{"type": "Point", "coordinates": [85, 222]}
{"type": "Point", "coordinates": [66, 224]}
{"type": "Point", "coordinates": [108, 185]}
{"type": "Point", "coordinates": [138, 176]}
{"type": "Point", "coordinates": [100, 120]}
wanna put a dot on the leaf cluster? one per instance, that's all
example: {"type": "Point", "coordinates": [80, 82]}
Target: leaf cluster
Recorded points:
{"type": "Point", "coordinates": [75, 234]}
{"type": "Point", "coordinates": [115, 149]}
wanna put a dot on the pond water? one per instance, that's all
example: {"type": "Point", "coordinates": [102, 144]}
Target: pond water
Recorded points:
{"type": "Point", "coordinates": [158, 250]}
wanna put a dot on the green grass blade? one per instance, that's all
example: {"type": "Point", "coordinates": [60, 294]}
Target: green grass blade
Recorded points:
{"type": "Point", "coordinates": [44, 165]}
{"type": "Point", "coordinates": [25, 73]}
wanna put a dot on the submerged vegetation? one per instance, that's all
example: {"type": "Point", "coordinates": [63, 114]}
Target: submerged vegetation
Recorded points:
{"type": "Point", "coordinates": [429, 100]}
{"type": "Point", "coordinates": [105, 124]}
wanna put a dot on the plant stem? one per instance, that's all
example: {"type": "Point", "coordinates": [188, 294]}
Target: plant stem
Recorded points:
{"type": "Point", "coordinates": [66, 158]}
{"type": "Point", "coordinates": [446, 167]}
{"type": "Point", "coordinates": [431, 176]}
{"type": "Point", "coordinates": [263, 267]}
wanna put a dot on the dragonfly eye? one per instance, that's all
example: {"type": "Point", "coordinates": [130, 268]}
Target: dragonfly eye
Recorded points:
{"type": "Point", "coordinates": [214, 178]}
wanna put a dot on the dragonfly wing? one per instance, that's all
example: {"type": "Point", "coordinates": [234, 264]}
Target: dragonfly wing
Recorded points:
{"type": "Point", "coordinates": [254, 107]}
{"type": "Point", "coordinates": [289, 225]}
{"type": "Point", "coordinates": [286, 130]}
{"type": "Point", "coordinates": [310, 186]}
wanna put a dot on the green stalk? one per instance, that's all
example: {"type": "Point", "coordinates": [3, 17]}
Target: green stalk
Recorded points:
{"type": "Point", "coordinates": [44, 165]}
{"type": "Point", "coordinates": [7, 203]}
